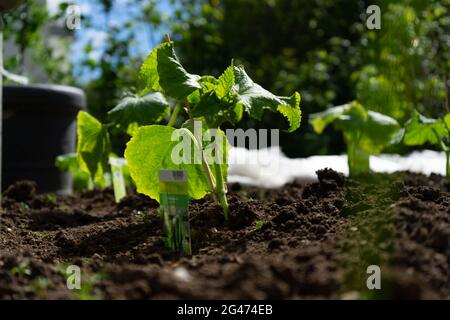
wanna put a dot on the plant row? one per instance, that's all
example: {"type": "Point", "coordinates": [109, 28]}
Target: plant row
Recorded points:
{"type": "Point", "coordinates": [168, 90]}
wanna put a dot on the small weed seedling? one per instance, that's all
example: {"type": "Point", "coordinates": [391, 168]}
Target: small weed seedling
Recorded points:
{"type": "Point", "coordinates": [209, 101]}
{"type": "Point", "coordinates": [22, 270]}
{"type": "Point", "coordinates": [420, 130]}
{"type": "Point", "coordinates": [51, 199]}
{"type": "Point", "coordinates": [365, 132]}
{"type": "Point", "coordinates": [259, 224]}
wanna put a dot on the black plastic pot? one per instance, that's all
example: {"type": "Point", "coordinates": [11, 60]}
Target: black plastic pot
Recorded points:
{"type": "Point", "coordinates": [39, 123]}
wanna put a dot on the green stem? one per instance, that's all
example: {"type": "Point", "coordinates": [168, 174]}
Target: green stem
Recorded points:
{"type": "Point", "coordinates": [204, 162]}
{"type": "Point", "coordinates": [446, 150]}
{"type": "Point", "coordinates": [447, 155]}
{"type": "Point", "coordinates": [358, 160]}
{"type": "Point", "coordinates": [218, 185]}
{"type": "Point", "coordinates": [174, 115]}
{"type": "Point", "coordinates": [221, 190]}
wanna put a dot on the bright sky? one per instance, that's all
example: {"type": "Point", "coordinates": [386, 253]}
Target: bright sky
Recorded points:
{"type": "Point", "coordinates": [96, 35]}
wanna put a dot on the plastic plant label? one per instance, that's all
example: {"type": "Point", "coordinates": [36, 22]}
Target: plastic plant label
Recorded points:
{"type": "Point", "coordinates": [174, 204]}
{"type": "Point", "coordinates": [117, 178]}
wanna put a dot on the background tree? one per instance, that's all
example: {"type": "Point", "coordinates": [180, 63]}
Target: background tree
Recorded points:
{"type": "Point", "coordinates": [323, 49]}
{"type": "Point", "coordinates": [26, 29]}
{"type": "Point", "coordinates": [406, 63]}
{"type": "Point", "coordinates": [302, 45]}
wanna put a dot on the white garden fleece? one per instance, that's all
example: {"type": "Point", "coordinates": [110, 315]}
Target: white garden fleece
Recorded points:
{"type": "Point", "coordinates": [270, 168]}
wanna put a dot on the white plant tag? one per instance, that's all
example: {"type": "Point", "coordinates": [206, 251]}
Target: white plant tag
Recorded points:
{"type": "Point", "coordinates": [117, 178]}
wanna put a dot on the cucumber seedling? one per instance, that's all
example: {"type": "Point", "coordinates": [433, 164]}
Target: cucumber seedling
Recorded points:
{"type": "Point", "coordinates": [420, 130]}
{"type": "Point", "coordinates": [208, 101]}
{"type": "Point", "coordinates": [90, 166]}
{"type": "Point", "coordinates": [94, 143]}
{"type": "Point", "coordinates": [80, 179]}
{"type": "Point", "coordinates": [365, 132]}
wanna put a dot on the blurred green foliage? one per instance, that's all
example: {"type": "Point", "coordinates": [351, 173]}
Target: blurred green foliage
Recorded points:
{"type": "Point", "coordinates": [288, 45]}
{"type": "Point", "coordinates": [26, 29]}
{"type": "Point", "coordinates": [324, 49]}
{"type": "Point", "coordinates": [117, 67]}
{"type": "Point", "coordinates": [407, 62]}
{"type": "Point", "coordinates": [321, 48]}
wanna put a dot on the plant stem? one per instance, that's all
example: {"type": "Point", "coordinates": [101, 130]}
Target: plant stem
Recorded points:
{"type": "Point", "coordinates": [204, 161]}
{"type": "Point", "coordinates": [174, 115]}
{"type": "Point", "coordinates": [447, 155]}
{"type": "Point", "coordinates": [358, 160]}
{"type": "Point", "coordinates": [218, 186]}
{"type": "Point", "coordinates": [208, 173]}
{"type": "Point", "coordinates": [221, 190]}
{"type": "Point", "coordinates": [446, 150]}
{"type": "Point", "coordinates": [199, 143]}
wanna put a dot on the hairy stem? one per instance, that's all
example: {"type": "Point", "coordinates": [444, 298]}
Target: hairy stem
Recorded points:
{"type": "Point", "coordinates": [221, 190]}
{"type": "Point", "coordinates": [174, 115]}
{"type": "Point", "coordinates": [204, 161]}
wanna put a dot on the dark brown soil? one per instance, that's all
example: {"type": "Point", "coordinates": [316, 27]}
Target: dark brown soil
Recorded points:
{"type": "Point", "coordinates": [313, 241]}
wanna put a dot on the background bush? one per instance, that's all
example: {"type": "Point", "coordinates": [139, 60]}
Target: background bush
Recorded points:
{"type": "Point", "coordinates": [320, 48]}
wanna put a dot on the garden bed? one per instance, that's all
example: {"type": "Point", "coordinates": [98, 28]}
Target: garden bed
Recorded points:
{"type": "Point", "coordinates": [312, 241]}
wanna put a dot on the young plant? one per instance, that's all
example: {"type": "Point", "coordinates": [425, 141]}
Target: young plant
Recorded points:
{"type": "Point", "coordinates": [420, 130]}
{"type": "Point", "coordinates": [365, 132]}
{"type": "Point", "coordinates": [94, 143]}
{"type": "Point", "coordinates": [208, 101]}
{"type": "Point", "coordinates": [69, 163]}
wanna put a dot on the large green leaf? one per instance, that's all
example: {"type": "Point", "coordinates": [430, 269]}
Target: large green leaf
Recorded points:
{"type": "Point", "coordinates": [255, 99]}
{"type": "Point", "coordinates": [375, 133]}
{"type": "Point", "coordinates": [150, 150]}
{"type": "Point", "coordinates": [148, 74]}
{"type": "Point", "coordinates": [321, 120]}
{"type": "Point", "coordinates": [215, 111]}
{"type": "Point", "coordinates": [216, 102]}
{"type": "Point", "coordinates": [93, 146]}
{"type": "Point", "coordinates": [420, 130]}
{"type": "Point", "coordinates": [370, 131]}
{"type": "Point", "coordinates": [162, 71]}
{"type": "Point", "coordinates": [225, 83]}
{"type": "Point", "coordinates": [149, 109]}
{"type": "Point", "coordinates": [447, 122]}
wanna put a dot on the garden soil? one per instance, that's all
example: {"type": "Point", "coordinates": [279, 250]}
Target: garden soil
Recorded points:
{"type": "Point", "coordinates": [297, 242]}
